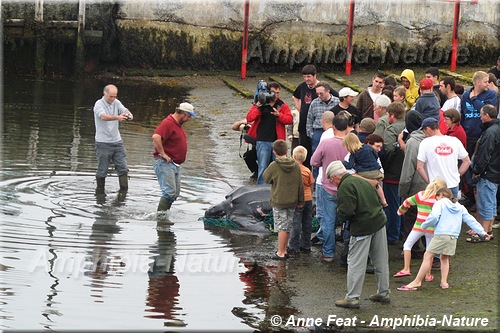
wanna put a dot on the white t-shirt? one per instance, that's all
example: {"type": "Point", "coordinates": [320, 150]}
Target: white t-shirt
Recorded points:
{"type": "Point", "coordinates": [374, 96]}
{"type": "Point", "coordinates": [452, 103]}
{"type": "Point", "coordinates": [326, 135]}
{"type": "Point", "coordinates": [441, 154]}
{"type": "Point", "coordinates": [107, 131]}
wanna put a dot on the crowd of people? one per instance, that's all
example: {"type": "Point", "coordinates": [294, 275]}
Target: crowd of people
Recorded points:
{"type": "Point", "coordinates": [409, 150]}
{"type": "Point", "coordinates": [398, 150]}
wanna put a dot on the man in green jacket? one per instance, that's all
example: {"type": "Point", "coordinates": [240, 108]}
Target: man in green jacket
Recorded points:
{"type": "Point", "coordinates": [357, 202]}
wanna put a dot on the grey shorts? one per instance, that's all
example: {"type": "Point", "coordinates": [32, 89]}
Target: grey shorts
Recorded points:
{"type": "Point", "coordinates": [443, 244]}
{"type": "Point", "coordinates": [283, 218]}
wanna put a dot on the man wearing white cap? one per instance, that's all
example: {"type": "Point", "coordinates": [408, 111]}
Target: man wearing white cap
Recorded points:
{"type": "Point", "coordinates": [170, 152]}
{"type": "Point", "coordinates": [346, 96]}
{"type": "Point", "coordinates": [357, 201]}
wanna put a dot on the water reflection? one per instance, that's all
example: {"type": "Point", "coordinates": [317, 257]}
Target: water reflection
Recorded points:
{"type": "Point", "coordinates": [163, 285]}
{"type": "Point", "coordinates": [66, 252]}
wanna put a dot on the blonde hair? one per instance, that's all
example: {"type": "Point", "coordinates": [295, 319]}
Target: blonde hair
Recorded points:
{"type": "Point", "coordinates": [433, 187]}
{"type": "Point", "coordinates": [299, 153]}
{"type": "Point", "coordinates": [400, 91]}
{"type": "Point", "coordinates": [351, 143]}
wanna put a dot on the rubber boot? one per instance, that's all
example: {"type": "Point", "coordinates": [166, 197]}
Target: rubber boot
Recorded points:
{"type": "Point", "coordinates": [164, 205]}
{"type": "Point", "coordinates": [100, 185]}
{"type": "Point", "coordinates": [123, 180]}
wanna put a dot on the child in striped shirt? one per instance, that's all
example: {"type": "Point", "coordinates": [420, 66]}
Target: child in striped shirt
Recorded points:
{"type": "Point", "coordinates": [424, 200]}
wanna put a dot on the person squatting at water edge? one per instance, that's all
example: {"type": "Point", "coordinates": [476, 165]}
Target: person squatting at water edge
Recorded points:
{"type": "Point", "coordinates": [108, 113]}
{"type": "Point", "coordinates": [446, 217]}
{"type": "Point", "coordinates": [170, 144]}
{"type": "Point", "coordinates": [357, 202]}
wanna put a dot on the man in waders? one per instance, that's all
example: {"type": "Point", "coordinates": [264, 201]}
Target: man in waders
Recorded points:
{"type": "Point", "coordinates": [170, 152]}
{"type": "Point", "coordinates": [108, 113]}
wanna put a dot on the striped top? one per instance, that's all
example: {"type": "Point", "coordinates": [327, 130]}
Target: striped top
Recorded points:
{"type": "Point", "coordinates": [424, 208]}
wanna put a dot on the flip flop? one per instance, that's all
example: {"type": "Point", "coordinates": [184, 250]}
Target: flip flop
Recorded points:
{"type": "Point", "coordinates": [446, 286]}
{"type": "Point", "coordinates": [406, 288]}
{"type": "Point", "coordinates": [429, 279]}
{"type": "Point", "coordinates": [401, 274]}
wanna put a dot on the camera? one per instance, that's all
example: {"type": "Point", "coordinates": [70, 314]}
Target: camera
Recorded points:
{"type": "Point", "coordinates": [128, 116]}
{"type": "Point", "coordinates": [262, 94]}
{"type": "Point", "coordinates": [244, 127]}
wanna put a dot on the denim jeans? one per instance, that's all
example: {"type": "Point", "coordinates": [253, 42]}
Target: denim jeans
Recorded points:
{"type": "Point", "coordinates": [315, 142]}
{"type": "Point", "coordinates": [486, 199]}
{"type": "Point", "coordinates": [300, 233]}
{"type": "Point", "coordinates": [328, 222]}
{"type": "Point", "coordinates": [264, 157]}
{"type": "Point", "coordinates": [106, 152]}
{"type": "Point", "coordinates": [168, 175]}
{"type": "Point", "coordinates": [319, 209]}
{"type": "Point", "coordinates": [393, 219]}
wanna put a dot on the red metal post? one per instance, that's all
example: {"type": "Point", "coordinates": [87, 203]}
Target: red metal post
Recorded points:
{"type": "Point", "coordinates": [350, 30]}
{"type": "Point", "coordinates": [244, 47]}
{"type": "Point", "coordinates": [454, 38]}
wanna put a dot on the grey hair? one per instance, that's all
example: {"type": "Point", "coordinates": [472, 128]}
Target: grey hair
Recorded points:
{"type": "Point", "coordinates": [383, 101]}
{"type": "Point", "coordinates": [334, 169]}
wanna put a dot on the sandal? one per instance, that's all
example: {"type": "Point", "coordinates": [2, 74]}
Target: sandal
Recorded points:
{"type": "Point", "coordinates": [429, 279]}
{"type": "Point", "coordinates": [491, 235]}
{"type": "Point", "coordinates": [406, 288]}
{"type": "Point", "coordinates": [401, 274]}
{"type": "Point", "coordinates": [476, 239]}
{"type": "Point", "coordinates": [444, 286]}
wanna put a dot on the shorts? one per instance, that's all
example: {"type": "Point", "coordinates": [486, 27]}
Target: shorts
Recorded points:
{"type": "Point", "coordinates": [442, 244]}
{"type": "Point", "coordinates": [374, 174]}
{"type": "Point", "coordinates": [486, 199]}
{"type": "Point", "coordinates": [283, 218]}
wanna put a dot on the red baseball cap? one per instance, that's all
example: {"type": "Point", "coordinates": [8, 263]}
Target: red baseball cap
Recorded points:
{"type": "Point", "coordinates": [426, 84]}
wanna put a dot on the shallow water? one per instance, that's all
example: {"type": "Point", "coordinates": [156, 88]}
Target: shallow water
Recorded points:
{"type": "Point", "coordinates": [74, 261]}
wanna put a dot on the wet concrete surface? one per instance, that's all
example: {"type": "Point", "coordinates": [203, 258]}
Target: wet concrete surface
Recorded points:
{"type": "Point", "coordinates": [304, 288]}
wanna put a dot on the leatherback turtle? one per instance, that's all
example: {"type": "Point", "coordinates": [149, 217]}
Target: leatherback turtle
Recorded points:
{"type": "Point", "coordinates": [245, 206]}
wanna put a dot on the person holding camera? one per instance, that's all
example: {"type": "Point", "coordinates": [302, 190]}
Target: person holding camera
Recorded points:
{"type": "Point", "coordinates": [269, 115]}
{"type": "Point", "coordinates": [108, 113]}
{"type": "Point", "coordinates": [250, 155]}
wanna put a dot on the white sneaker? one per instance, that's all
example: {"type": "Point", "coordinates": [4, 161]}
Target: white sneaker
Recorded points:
{"type": "Point", "coordinates": [496, 226]}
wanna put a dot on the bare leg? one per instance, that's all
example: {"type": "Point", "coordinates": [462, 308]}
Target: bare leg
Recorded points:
{"type": "Point", "coordinates": [424, 269]}
{"type": "Point", "coordinates": [445, 269]}
{"type": "Point", "coordinates": [381, 195]}
{"type": "Point", "coordinates": [407, 259]}
{"type": "Point", "coordinates": [282, 242]}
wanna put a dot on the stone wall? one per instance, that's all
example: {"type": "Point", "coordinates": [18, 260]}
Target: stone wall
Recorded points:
{"type": "Point", "coordinates": [289, 34]}
{"type": "Point", "coordinates": [283, 34]}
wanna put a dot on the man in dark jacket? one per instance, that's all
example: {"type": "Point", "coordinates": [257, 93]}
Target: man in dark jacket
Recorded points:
{"type": "Point", "coordinates": [392, 162]}
{"type": "Point", "coordinates": [486, 167]}
{"type": "Point", "coordinates": [357, 201]}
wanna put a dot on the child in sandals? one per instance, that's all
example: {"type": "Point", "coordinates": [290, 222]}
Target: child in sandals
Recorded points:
{"type": "Point", "coordinates": [364, 159]}
{"type": "Point", "coordinates": [446, 216]}
{"type": "Point", "coordinates": [424, 200]}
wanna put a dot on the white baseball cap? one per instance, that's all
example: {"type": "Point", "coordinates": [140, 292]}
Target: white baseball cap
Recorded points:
{"type": "Point", "coordinates": [186, 107]}
{"type": "Point", "coordinates": [346, 91]}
